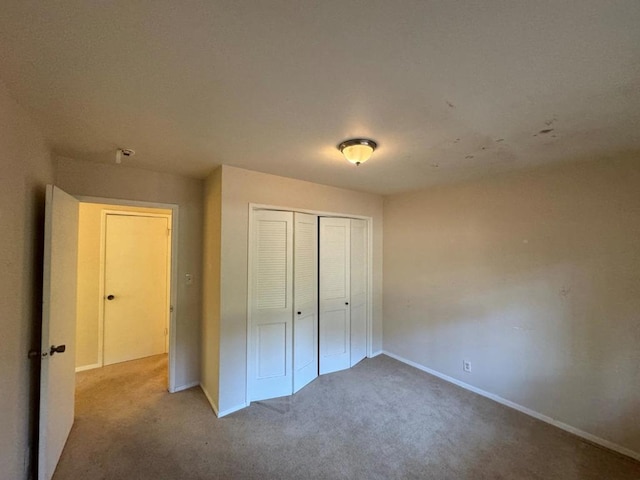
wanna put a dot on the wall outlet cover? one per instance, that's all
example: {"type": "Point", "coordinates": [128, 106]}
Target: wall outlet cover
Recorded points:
{"type": "Point", "coordinates": [466, 366]}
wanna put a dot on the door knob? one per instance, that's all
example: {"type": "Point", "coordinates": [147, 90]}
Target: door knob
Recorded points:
{"type": "Point", "coordinates": [110, 297]}
{"type": "Point", "coordinates": [58, 349]}
{"type": "Point", "coordinates": [299, 313]}
{"type": "Point", "coordinates": [346, 303]}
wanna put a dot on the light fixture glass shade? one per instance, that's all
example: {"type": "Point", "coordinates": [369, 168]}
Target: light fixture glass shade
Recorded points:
{"type": "Point", "coordinates": [357, 153]}
{"type": "Point", "coordinates": [358, 150]}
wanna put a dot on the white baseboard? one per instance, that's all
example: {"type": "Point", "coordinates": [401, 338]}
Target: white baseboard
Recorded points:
{"type": "Point", "coordinates": [210, 400]}
{"type": "Point", "coordinates": [215, 408]}
{"type": "Point", "coordinates": [88, 367]}
{"type": "Point", "coordinates": [232, 409]}
{"type": "Point", "coordinates": [185, 387]}
{"type": "Point", "coordinates": [375, 354]}
{"type": "Point", "coordinates": [527, 411]}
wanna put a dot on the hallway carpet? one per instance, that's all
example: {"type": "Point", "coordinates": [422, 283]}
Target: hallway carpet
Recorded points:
{"type": "Point", "coordinates": [380, 420]}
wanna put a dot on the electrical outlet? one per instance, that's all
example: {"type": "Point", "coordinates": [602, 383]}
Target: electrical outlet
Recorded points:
{"type": "Point", "coordinates": [466, 366]}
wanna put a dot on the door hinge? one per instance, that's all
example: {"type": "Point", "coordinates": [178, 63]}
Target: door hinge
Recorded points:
{"type": "Point", "coordinates": [166, 331]}
{"type": "Point", "coordinates": [171, 308]}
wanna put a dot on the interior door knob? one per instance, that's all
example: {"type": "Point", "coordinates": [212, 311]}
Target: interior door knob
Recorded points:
{"type": "Point", "coordinates": [299, 313]}
{"type": "Point", "coordinates": [346, 303]}
{"type": "Point", "coordinates": [110, 297]}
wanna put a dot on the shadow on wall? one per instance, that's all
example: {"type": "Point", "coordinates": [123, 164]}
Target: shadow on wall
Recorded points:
{"type": "Point", "coordinates": [34, 221]}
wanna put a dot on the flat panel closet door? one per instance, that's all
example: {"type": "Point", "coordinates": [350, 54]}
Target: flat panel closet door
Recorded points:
{"type": "Point", "coordinates": [271, 346]}
{"type": "Point", "coordinates": [359, 282]}
{"type": "Point", "coordinates": [335, 321]}
{"type": "Point", "coordinates": [135, 286]}
{"type": "Point", "coordinates": [305, 292]}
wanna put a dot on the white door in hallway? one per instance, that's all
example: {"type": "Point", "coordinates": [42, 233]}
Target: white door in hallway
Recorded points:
{"type": "Point", "coordinates": [358, 289]}
{"type": "Point", "coordinates": [335, 280]}
{"type": "Point", "coordinates": [305, 287]}
{"type": "Point", "coordinates": [270, 372]}
{"type": "Point", "coordinates": [57, 381]}
{"type": "Point", "coordinates": [136, 279]}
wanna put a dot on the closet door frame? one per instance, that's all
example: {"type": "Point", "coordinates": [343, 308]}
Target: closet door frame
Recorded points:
{"type": "Point", "coordinates": [253, 207]}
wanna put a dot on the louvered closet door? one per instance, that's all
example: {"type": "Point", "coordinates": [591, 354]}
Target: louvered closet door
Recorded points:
{"type": "Point", "coordinates": [271, 346]}
{"type": "Point", "coordinates": [305, 288]}
{"type": "Point", "coordinates": [335, 322]}
{"type": "Point", "coordinates": [359, 282]}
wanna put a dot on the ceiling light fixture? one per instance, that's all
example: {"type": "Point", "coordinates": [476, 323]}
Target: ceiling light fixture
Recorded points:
{"type": "Point", "coordinates": [357, 150]}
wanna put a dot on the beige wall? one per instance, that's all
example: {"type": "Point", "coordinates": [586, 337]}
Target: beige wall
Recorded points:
{"type": "Point", "coordinates": [128, 183]}
{"type": "Point", "coordinates": [533, 277]}
{"type": "Point", "coordinates": [210, 376]}
{"type": "Point", "coordinates": [239, 188]}
{"type": "Point", "coordinates": [26, 168]}
{"type": "Point", "coordinates": [89, 233]}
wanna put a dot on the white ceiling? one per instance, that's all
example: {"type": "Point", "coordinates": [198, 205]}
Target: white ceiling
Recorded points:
{"type": "Point", "coordinates": [450, 90]}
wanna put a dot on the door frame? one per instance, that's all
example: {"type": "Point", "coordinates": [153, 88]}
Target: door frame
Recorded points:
{"type": "Point", "coordinates": [103, 261]}
{"type": "Point", "coordinates": [257, 206]}
{"type": "Point", "coordinates": [173, 280]}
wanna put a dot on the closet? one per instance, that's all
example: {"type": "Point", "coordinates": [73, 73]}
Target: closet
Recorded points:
{"type": "Point", "coordinates": [308, 299]}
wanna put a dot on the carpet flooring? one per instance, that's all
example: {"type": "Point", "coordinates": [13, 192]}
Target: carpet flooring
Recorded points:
{"type": "Point", "coordinates": [379, 420]}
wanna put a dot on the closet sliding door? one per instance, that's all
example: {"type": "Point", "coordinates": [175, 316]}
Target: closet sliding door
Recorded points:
{"type": "Point", "coordinates": [335, 280]}
{"type": "Point", "coordinates": [344, 273]}
{"type": "Point", "coordinates": [283, 345]}
{"type": "Point", "coordinates": [271, 337]}
{"type": "Point", "coordinates": [358, 289]}
{"type": "Point", "coordinates": [305, 293]}
{"type": "Point", "coordinates": [308, 299]}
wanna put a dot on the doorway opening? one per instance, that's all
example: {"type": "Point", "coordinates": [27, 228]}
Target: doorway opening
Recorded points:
{"type": "Point", "coordinates": [127, 279]}
{"type": "Point", "coordinates": [59, 313]}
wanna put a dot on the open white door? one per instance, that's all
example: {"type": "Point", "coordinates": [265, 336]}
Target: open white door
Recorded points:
{"type": "Point", "coordinates": [335, 279]}
{"type": "Point", "coordinates": [57, 383]}
{"type": "Point", "coordinates": [305, 288]}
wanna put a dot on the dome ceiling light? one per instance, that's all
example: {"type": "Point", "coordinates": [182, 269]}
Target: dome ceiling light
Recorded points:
{"type": "Point", "coordinates": [357, 150]}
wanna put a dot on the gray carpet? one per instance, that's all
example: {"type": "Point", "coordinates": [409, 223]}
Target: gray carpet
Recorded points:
{"type": "Point", "coordinates": [380, 420]}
